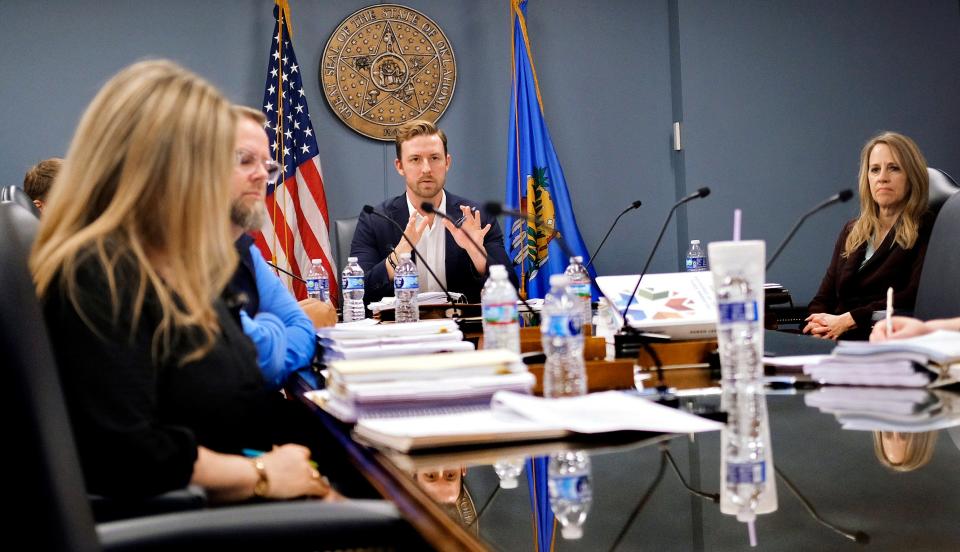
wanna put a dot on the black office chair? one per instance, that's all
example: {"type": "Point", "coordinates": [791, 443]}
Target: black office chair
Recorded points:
{"type": "Point", "coordinates": [942, 186]}
{"type": "Point", "coordinates": [43, 482]}
{"type": "Point", "coordinates": [345, 229]}
{"type": "Point", "coordinates": [15, 194]}
{"type": "Point", "coordinates": [938, 294]}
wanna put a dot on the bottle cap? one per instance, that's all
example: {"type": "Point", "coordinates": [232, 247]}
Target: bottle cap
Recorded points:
{"type": "Point", "coordinates": [498, 271]}
{"type": "Point", "coordinates": [508, 482]}
{"type": "Point", "coordinates": [351, 259]}
{"type": "Point", "coordinates": [694, 242]}
{"type": "Point", "coordinates": [559, 280]}
{"type": "Point", "coordinates": [316, 262]}
{"type": "Point", "coordinates": [404, 256]}
{"type": "Point", "coordinates": [576, 259]}
{"type": "Point", "coordinates": [571, 532]}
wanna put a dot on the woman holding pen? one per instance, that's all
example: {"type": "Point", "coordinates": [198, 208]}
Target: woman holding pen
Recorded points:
{"type": "Point", "coordinates": [882, 248]}
{"type": "Point", "coordinates": [130, 261]}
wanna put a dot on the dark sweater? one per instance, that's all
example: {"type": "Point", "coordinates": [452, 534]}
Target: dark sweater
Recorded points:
{"type": "Point", "coordinates": [846, 287]}
{"type": "Point", "coordinates": [138, 420]}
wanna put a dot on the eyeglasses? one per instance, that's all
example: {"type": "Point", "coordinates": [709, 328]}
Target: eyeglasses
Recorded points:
{"type": "Point", "coordinates": [247, 162]}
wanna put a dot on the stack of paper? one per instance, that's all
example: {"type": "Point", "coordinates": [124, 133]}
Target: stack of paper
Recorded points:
{"type": "Point", "coordinates": [426, 298]}
{"type": "Point", "coordinates": [368, 339]}
{"type": "Point", "coordinates": [887, 409]}
{"type": "Point", "coordinates": [394, 386]}
{"type": "Point", "coordinates": [929, 360]}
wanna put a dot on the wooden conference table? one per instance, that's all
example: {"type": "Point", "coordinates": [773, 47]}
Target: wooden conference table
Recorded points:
{"type": "Point", "coordinates": [832, 489]}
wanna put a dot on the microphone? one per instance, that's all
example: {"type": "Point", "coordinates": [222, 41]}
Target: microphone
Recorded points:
{"type": "Point", "coordinates": [428, 207]}
{"type": "Point", "coordinates": [287, 272]}
{"type": "Point", "coordinates": [702, 192]}
{"type": "Point", "coordinates": [839, 197]}
{"type": "Point", "coordinates": [635, 205]}
{"type": "Point", "coordinates": [371, 211]}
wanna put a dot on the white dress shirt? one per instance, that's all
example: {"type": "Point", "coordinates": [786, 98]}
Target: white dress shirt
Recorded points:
{"type": "Point", "coordinates": [432, 248]}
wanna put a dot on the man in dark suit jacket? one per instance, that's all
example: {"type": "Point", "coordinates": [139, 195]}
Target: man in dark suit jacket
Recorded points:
{"type": "Point", "coordinates": [423, 161]}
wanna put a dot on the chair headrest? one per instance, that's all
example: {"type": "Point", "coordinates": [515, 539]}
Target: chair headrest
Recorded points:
{"type": "Point", "coordinates": [942, 186]}
{"type": "Point", "coordinates": [15, 194]}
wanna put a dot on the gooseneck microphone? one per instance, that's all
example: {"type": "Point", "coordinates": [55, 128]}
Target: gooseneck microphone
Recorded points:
{"type": "Point", "coordinates": [371, 211]}
{"type": "Point", "coordinates": [635, 205]}
{"type": "Point", "coordinates": [702, 192]}
{"type": "Point", "coordinates": [839, 197]}
{"type": "Point", "coordinates": [287, 272]}
{"type": "Point", "coordinates": [428, 207]}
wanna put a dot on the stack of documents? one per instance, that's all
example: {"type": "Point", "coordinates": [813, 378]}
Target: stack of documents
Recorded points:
{"type": "Point", "coordinates": [887, 409]}
{"type": "Point", "coordinates": [368, 339]}
{"type": "Point", "coordinates": [930, 360]}
{"type": "Point", "coordinates": [426, 298]}
{"type": "Point", "coordinates": [412, 385]}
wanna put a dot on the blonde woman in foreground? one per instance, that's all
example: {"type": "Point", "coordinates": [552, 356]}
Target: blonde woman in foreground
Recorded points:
{"type": "Point", "coordinates": [132, 255]}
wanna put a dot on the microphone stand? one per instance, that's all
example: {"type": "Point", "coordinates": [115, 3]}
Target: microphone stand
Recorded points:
{"type": "Point", "coordinates": [429, 208]}
{"type": "Point", "coordinates": [287, 272]}
{"type": "Point", "coordinates": [371, 211]}
{"type": "Point", "coordinates": [634, 205]}
{"type": "Point", "coordinates": [629, 338]}
{"type": "Point", "coordinates": [842, 196]}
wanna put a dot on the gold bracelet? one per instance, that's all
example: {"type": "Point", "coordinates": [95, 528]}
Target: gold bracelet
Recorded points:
{"type": "Point", "coordinates": [262, 487]}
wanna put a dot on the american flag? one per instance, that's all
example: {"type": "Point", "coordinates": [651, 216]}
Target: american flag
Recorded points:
{"type": "Point", "coordinates": [297, 228]}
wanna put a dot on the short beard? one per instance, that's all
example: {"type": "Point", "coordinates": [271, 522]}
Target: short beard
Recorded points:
{"type": "Point", "coordinates": [249, 219]}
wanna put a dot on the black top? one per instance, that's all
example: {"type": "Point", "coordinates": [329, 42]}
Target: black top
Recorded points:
{"type": "Point", "coordinates": [138, 420]}
{"type": "Point", "coordinates": [375, 238]}
{"type": "Point", "coordinates": [846, 287]}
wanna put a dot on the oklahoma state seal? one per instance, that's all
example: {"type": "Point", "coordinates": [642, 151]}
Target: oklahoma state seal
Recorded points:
{"type": "Point", "coordinates": [385, 65]}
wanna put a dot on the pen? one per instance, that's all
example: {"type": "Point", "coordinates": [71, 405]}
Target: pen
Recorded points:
{"type": "Point", "coordinates": [889, 311]}
{"type": "Point", "coordinates": [253, 453]}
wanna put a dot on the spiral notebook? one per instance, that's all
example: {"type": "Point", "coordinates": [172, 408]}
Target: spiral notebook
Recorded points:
{"type": "Point", "coordinates": [517, 417]}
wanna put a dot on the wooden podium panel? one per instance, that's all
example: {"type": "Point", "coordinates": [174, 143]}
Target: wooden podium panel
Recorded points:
{"type": "Point", "coordinates": [686, 364]}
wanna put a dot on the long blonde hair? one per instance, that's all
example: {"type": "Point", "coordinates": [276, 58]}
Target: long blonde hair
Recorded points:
{"type": "Point", "coordinates": [908, 155]}
{"type": "Point", "coordinates": [147, 178]}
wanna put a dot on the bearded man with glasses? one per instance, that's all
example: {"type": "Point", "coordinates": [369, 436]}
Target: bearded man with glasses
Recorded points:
{"type": "Point", "coordinates": [283, 331]}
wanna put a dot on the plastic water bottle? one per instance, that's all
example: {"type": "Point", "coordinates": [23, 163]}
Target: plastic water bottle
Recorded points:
{"type": "Point", "coordinates": [351, 284]}
{"type": "Point", "coordinates": [501, 328]}
{"type": "Point", "coordinates": [508, 470]}
{"type": "Point", "coordinates": [696, 260]}
{"type": "Point", "coordinates": [318, 282]}
{"type": "Point", "coordinates": [406, 286]}
{"type": "Point", "coordinates": [568, 483]}
{"type": "Point", "coordinates": [561, 332]}
{"type": "Point", "coordinates": [580, 286]}
{"type": "Point", "coordinates": [748, 483]}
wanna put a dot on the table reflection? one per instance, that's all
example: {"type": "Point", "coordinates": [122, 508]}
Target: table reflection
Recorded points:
{"type": "Point", "coordinates": [844, 483]}
{"type": "Point", "coordinates": [446, 485]}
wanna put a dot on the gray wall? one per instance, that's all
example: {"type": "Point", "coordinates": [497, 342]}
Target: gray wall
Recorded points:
{"type": "Point", "coordinates": [776, 99]}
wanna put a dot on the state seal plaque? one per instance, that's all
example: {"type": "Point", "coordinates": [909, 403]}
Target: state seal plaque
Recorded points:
{"type": "Point", "coordinates": [385, 65]}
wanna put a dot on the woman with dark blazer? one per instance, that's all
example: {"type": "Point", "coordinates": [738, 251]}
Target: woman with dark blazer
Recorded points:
{"type": "Point", "coordinates": [882, 248]}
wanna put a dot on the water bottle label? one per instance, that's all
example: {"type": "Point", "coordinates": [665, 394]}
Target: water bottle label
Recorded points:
{"type": "Point", "coordinates": [406, 282]}
{"type": "Point", "coordinates": [696, 264]}
{"type": "Point", "coordinates": [571, 488]}
{"type": "Point", "coordinates": [503, 313]}
{"type": "Point", "coordinates": [316, 285]}
{"type": "Point", "coordinates": [580, 290]}
{"type": "Point", "coordinates": [351, 283]}
{"type": "Point", "coordinates": [747, 472]}
{"type": "Point", "coordinates": [731, 313]}
{"type": "Point", "coordinates": [561, 326]}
